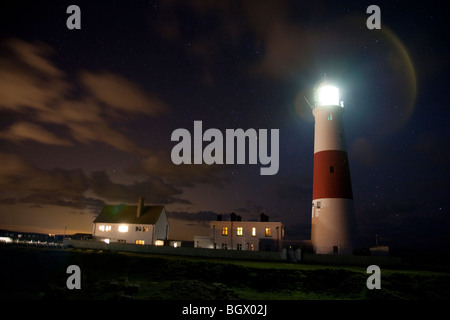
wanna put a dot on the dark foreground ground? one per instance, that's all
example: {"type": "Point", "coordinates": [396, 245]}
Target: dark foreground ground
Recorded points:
{"type": "Point", "coordinates": [40, 273]}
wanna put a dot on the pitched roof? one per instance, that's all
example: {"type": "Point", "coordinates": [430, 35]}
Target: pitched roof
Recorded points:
{"type": "Point", "coordinates": [127, 214]}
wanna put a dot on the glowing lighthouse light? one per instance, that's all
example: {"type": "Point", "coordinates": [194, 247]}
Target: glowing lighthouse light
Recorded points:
{"type": "Point", "coordinates": [328, 96]}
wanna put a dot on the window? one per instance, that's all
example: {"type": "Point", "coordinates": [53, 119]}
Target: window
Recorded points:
{"type": "Point", "coordinates": [140, 241]}
{"type": "Point", "coordinates": [239, 231]}
{"type": "Point", "coordinates": [239, 246]}
{"type": "Point", "coordinates": [145, 229]}
{"type": "Point", "coordinates": [252, 247]}
{"type": "Point", "coordinates": [330, 116]}
{"type": "Point", "coordinates": [268, 232]}
{"type": "Point", "coordinates": [122, 241]}
{"type": "Point", "coordinates": [253, 232]}
{"type": "Point", "coordinates": [138, 229]}
{"type": "Point", "coordinates": [123, 228]}
{"type": "Point", "coordinates": [224, 231]}
{"type": "Point", "coordinates": [224, 246]}
{"type": "Point", "coordinates": [104, 228]}
{"type": "Point", "coordinates": [318, 204]}
{"type": "Point", "coordinates": [331, 169]}
{"type": "Point", "coordinates": [335, 249]}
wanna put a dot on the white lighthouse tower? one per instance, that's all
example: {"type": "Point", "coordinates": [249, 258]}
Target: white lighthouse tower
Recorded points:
{"type": "Point", "coordinates": [333, 227]}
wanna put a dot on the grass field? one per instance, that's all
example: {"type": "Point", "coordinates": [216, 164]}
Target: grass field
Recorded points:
{"type": "Point", "coordinates": [40, 273]}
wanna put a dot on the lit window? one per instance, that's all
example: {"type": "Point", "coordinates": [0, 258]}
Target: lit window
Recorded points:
{"type": "Point", "coordinates": [123, 228]}
{"type": "Point", "coordinates": [106, 241]}
{"type": "Point", "coordinates": [239, 231]}
{"type": "Point", "coordinates": [159, 243]}
{"type": "Point", "coordinates": [140, 242]}
{"type": "Point", "coordinates": [145, 229]}
{"type": "Point", "coordinates": [224, 231]}
{"type": "Point", "coordinates": [267, 232]}
{"type": "Point", "coordinates": [252, 247]}
{"type": "Point", "coordinates": [104, 228]}
{"type": "Point", "coordinates": [254, 232]}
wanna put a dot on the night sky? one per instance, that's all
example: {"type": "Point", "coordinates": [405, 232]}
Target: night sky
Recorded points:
{"type": "Point", "coordinates": [86, 116]}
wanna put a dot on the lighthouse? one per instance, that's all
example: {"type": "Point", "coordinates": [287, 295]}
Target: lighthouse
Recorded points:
{"type": "Point", "coordinates": [333, 228]}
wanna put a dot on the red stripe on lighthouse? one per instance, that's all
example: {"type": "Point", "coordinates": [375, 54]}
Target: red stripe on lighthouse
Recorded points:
{"type": "Point", "coordinates": [331, 175]}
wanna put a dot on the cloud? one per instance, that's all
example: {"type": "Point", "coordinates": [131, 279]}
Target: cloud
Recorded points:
{"type": "Point", "coordinates": [121, 94]}
{"type": "Point", "coordinates": [262, 24]}
{"type": "Point", "coordinates": [22, 182]}
{"type": "Point", "coordinates": [36, 89]}
{"type": "Point", "coordinates": [196, 216]}
{"type": "Point", "coordinates": [21, 178]}
{"type": "Point", "coordinates": [154, 189]}
{"type": "Point", "coordinates": [159, 164]}
{"type": "Point", "coordinates": [275, 41]}
{"type": "Point", "coordinates": [40, 199]}
{"type": "Point", "coordinates": [22, 130]}
{"type": "Point", "coordinates": [33, 56]}
{"type": "Point", "coordinates": [103, 132]}
{"type": "Point", "coordinates": [287, 51]}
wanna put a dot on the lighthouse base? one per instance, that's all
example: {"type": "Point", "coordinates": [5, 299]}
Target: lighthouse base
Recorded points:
{"type": "Point", "coordinates": [333, 226]}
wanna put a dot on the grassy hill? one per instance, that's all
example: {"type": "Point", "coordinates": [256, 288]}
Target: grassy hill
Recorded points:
{"type": "Point", "coordinates": [40, 273]}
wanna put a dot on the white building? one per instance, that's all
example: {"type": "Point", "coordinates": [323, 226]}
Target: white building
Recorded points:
{"type": "Point", "coordinates": [243, 235]}
{"type": "Point", "coordinates": [136, 224]}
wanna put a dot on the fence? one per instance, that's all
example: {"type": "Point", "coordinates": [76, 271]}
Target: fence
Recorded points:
{"type": "Point", "coordinates": [180, 251]}
{"type": "Point", "coordinates": [236, 254]}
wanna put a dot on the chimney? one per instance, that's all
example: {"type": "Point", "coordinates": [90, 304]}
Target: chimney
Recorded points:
{"type": "Point", "coordinates": [140, 207]}
{"type": "Point", "coordinates": [264, 218]}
